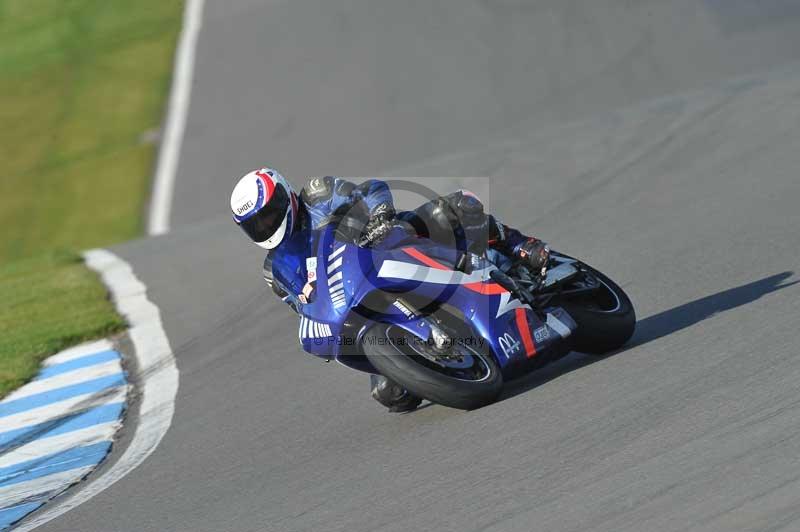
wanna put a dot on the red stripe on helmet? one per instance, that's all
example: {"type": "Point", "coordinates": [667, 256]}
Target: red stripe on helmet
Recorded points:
{"type": "Point", "coordinates": [268, 182]}
{"type": "Point", "coordinates": [525, 332]}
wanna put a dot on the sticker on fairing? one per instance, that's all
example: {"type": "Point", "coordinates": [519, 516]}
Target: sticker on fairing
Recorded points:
{"type": "Point", "coordinates": [404, 309]}
{"type": "Point", "coordinates": [541, 334]}
{"type": "Point", "coordinates": [311, 268]}
{"type": "Point", "coordinates": [509, 345]}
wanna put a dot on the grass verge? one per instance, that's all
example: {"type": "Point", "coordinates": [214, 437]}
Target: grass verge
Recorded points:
{"type": "Point", "coordinates": [82, 89]}
{"type": "Point", "coordinates": [50, 302]}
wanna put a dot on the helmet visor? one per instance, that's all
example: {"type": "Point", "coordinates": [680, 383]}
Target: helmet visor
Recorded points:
{"type": "Point", "coordinates": [263, 224]}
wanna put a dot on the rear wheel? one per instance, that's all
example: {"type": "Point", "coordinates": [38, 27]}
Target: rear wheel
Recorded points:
{"type": "Point", "coordinates": [459, 376]}
{"type": "Point", "coordinates": [605, 317]}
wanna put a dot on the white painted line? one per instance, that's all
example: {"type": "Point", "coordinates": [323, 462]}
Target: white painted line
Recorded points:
{"type": "Point", "coordinates": [77, 376]}
{"type": "Point", "coordinates": [57, 482]}
{"type": "Point", "coordinates": [62, 442]}
{"type": "Point", "coordinates": [77, 352]}
{"type": "Point", "coordinates": [52, 411]}
{"type": "Point", "coordinates": [157, 379]}
{"type": "Point", "coordinates": [177, 111]}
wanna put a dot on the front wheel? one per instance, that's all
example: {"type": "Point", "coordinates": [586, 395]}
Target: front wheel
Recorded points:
{"type": "Point", "coordinates": [459, 376]}
{"type": "Point", "coordinates": [605, 318]}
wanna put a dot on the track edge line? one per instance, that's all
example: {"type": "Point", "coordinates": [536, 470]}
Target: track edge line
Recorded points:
{"type": "Point", "coordinates": [177, 111]}
{"type": "Point", "coordinates": [157, 377]}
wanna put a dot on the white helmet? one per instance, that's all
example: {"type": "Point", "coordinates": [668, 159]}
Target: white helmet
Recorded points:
{"type": "Point", "coordinates": [265, 207]}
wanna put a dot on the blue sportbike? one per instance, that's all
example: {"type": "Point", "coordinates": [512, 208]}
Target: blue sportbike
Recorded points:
{"type": "Point", "coordinates": [445, 322]}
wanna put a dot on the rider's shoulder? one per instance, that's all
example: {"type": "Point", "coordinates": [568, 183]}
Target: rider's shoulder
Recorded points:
{"type": "Point", "coordinates": [343, 187]}
{"type": "Point", "coordinates": [321, 189]}
{"type": "Point", "coordinates": [318, 189]}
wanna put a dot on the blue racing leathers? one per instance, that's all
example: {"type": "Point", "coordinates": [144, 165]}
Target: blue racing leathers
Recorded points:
{"type": "Point", "coordinates": [322, 200]}
{"type": "Point", "coordinates": [327, 198]}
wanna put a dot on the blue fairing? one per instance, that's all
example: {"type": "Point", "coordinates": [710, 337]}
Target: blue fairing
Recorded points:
{"type": "Point", "coordinates": [408, 267]}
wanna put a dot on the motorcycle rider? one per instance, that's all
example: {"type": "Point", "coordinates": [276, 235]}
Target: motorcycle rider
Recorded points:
{"type": "Point", "coordinates": [271, 213]}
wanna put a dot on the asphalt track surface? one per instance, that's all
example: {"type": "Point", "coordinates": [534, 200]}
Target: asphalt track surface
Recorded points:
{"type": "Point", "coordinates": [658, 140]}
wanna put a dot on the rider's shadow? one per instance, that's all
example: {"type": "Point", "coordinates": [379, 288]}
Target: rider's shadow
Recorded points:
{"type": "Point", "coordinates": [658, 326]}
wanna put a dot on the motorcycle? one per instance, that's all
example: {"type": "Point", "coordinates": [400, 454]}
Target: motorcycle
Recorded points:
{"type": "Point", "coordinates": [445, 322]}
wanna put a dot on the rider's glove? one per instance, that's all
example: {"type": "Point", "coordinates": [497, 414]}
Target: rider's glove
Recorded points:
{"type": "Point", "coordinates": [379, 225]}
{"type": "Point", "coordinates": [535, 254]}
{"type": "Point", "coordinates": [382, 212]}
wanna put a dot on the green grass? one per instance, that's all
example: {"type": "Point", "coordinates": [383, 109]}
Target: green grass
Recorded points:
{"type": "Point", "coordinates": [82, 82]}
{"type": "Point", "coordinates": [50, 302]}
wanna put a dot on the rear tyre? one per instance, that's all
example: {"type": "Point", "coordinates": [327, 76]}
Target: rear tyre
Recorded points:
{"type": "Point", "coordinates": [468, 383]}
{"type": "Point", "coordinates": [606, 321]}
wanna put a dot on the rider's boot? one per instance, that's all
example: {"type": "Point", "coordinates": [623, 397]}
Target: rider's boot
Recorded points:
{"type": "Point", "coordinates": [392, 395]}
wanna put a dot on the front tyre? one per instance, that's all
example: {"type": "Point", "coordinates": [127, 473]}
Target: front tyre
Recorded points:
{"type": "Point", "coordinates": [461, 376]}
{"type": "Point", "coordinates": [606, 320]}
